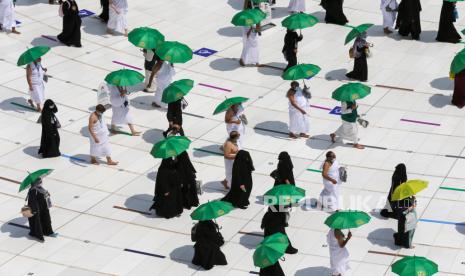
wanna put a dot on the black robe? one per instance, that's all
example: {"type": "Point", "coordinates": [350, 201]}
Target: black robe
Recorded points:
{"type": "Point", "coordinates": [447, 31]}
{"type": "Point", "coordinates": [168, 181]}
{"type": "Point", "coordinates": [360, 71]}
{"type": "Point", "coordinates": [272, 270]}
{"type": "Point", "coordinates": [334, 12]}
{"type": "Point", "coordinates": [284, 171]}
{"type": "Point", "coordinates": [105, 10]}
{"type": "Point", "coordinates": [275, 222]}
{"type": "Point", "coordinates": [408, 18]}
{"type": "Point", "coordinates": [398, 177]}
{"type": "Point", "coordinates": [174, 116]}
{"type": "Point", "coordinates": [241, 175]}
{"type": "Point", "coordinates": [458, 97]}
{"type": "Point", "coordinates": [40, 224]}
{"type": "Point", "coordinates": [50, 138]}
{"type": "Point", "coordinates": [71, 34]}
{"type": "Point", "coordinates": [189, 185]}
{"type": "Point", "coordinates": [207, 246]}
{"type": "Point", "coordinates": [403, 238]}
{"type": "Point", "coordinates": [291, 39]}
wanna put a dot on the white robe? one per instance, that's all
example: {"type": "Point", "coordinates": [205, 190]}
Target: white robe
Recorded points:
{"type": "Point", "coordinates": [164, 78]}
{"type": "Point", "coordinates": [239, 128]}
{"type": "Point", "coordinates": [330, 196]}
{"type": "Point", "coordinates": [250, 49]}
{"type": "Point", "coordinates": [339, 257]}
{"type": "Point", "coordinates": [296, 6]}
{"type": "Point", "coordinates": [102, 149]}
{"type": "Point", "coordinates": [7, 15]}
{"type": "Point", "coordinates": [228, 165]}
{"type": "Point", "coordinates": [298, 122]}
{"type": "Point", "coordinates": [121, 114]}
{"type": "Point", "coordinates": [118, 22]}
{"type": "Point", "coordinates": [388, 17]}
{"type": "Point", "coordinates": [347, 130]}
{"type": "Point", "coordinates": [38, 85]}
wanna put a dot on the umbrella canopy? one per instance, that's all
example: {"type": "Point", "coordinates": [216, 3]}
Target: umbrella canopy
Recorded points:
{"type": "Point", "coordinates": [32, 177]}
{"type": "Point", "coordinates": [301, 71]}
{"type": "Point", "coordinates": [124, 77]}
{"type": "Point", "coordinates": [284, 195]}
{"type": "Point", "coordinates": [351, 91]}
{"type": "Point", "coordinates": [416, 266]}
{"type": "Point", "coordinates": [299, 21]}
{"type": "Point", "coordinates": [32, 54]}
{"type": "Point", "coordinates": [226, 104]}
{"type": "Point", "coordinates": [212, 210]}
{"type": "Point", "coordinates": [458, 63]}
{"type": "Point", "coordinates": [270, 250]}
{"type": "Point", "coordinates": [260, 1]}
{"type": "Point", "coordinates": [248, 17]}
{"type": "Point", "coordinates": [176, 90]}
{"type": "Point", "coordinates": [356, 31]}
{"type": "Point", "coordinates": [146, 38]}
{"type": "Point", "coordinates": [347, 219]}
{"type": "Point", "coordinates": [454, 1]}
{"type": "Point", "coordinates": [170, 147]}
{"type": "Point", "coordinates": [408, 189]}
{"type": "Point", "coordinates": [174, 52]}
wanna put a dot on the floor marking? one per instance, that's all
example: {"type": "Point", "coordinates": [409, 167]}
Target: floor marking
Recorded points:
{"type": "Point", "coordinates": [272, 67]}
{"type": "Point", "coordinates": [251, 234]}
{"type": "Point", "coordinates": [452, 189]}
{"type": "Point", "coordinates": [10, 180]}
{"type": "Point", "coordinates": [119, 132]}
{"type": "Point", "coordinates": [194, 115]}
{"type": "Point", "coordinates": [386, 253]}
{"type": "Point", "coordinates": [208, 151]}
{"type": "Point", "coordinates": [74, 158]}
{"type": "Point", "coordinates": [127, 65]}
{"type": "Point", "coordinates": [320, 107]}
{"type": "Point", "coordinates": [420, 122]}
{"type": "Point", "coordinates": [270, 130]}
{"type": "Point", "coordinates": [254, 272]}
{"type": "Point", "coordinates": [132, 210]}
{"type": "Point", "coordinates": [215, 87]}
{"type": "Point", "coordinates": [367, 146]}
{"type": "Point", "coordinates": [443, 222]}
{"type": "Point", "coordinates": [454, 156]}
{"type": "Point", "coordinates": [49, 38]}
{"type": "Point", "coordinates": [18, 225]}
{"type": "Point", "coordinates": [144, 253]}
{"type": "Point", "coordinates": [394, 87]}
{"type": "Point", "coordinates": [24, 106]}
{"type": "Point", "coordinates": [314, 170]}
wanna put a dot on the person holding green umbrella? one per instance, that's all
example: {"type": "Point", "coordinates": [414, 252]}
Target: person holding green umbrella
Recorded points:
{"type": "Point", "coordinates": [36, 78]}
{"type": "Point", "coordinates": [299, 106]}
{"type": "Point", "coordinates": [349, 128]}
{"type": "Point", "coordinates": [173, 95]}
{"type": "Point", "coordinates": [275, 220]}
{"type": "Point", "coordinates": [359, 50]}
{"type": "Point", "coordinates": [291, 41]}
{"type": "Point", "coordinates": [250, 50]}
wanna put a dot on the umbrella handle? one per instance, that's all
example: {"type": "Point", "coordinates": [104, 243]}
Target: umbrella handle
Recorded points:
{"type": "Point", "coordinates": [283, 258]}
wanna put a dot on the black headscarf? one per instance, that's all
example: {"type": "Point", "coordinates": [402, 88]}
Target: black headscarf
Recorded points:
{"type": "Point", "coordinates": [284, 170]}
{"type": "Point", "coordinates": [241, 175]}
{"type": "Point", "coordinates": [50, 139]}
{"type": "Point", "coordinates": [398, 177]}
{"type": "Point", "coordinates": [174, 113]}
{"type": "Point", "coordinates": [243, 164]}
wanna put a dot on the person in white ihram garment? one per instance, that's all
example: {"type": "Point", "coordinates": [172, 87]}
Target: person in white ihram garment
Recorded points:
{"type": "Point", "coordinates": [164, 74]}
{"type": "Point", "coordinates": [99, 142]}
{"type": "Point", "coordinates": [250, 53]}
{"type": "Point", "coordinates": [296, 6]}
{"type": "Point", "coordinates": [7, 16]}
{"type": "Point", "coordinates": [230, 149]}
{"type": "Point", "coordinates": [35, 79]}
{"type": "Point", "coordinates": [389, 10]}
{"type": "Point", "coordinates": [235, 121]}
{"type": "Point", "coordinates": [330, 196]}
{"type": "Point", "coordinates": [118, 17]}
{"type": "Point", "coordinates": [120, 107]}
{"type": "Point", "coordinates": [298, 112]}
{"type": "Point", "coordinates": [338, 253]}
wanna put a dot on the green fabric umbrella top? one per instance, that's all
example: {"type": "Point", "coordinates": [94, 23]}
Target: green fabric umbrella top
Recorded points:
{"type": "Point", "coordinates": [146, 38]}
{"type": "Point", "coordinates": [174, 52]}
{"type": "Point", "coordinates": [356, 31]}
{"type": "Point", "coordinates": [409, 188]}
{"type": "Point", "coordinates": [351, 91]}
{"type": "Point", "coordinates": [414, 266]}
{"type": "Point", "coordinates": [283, 194]}
{"type": "Point", "coordinates": [32, 177]}
{"type": "Point", "coordinates": [299, 21]}
{"type": "Point", "coordinates": [270, 250]}
{"type": "Point", "coordinates": [124, 77]}
{"type": "Point", "coordinates": [347, 219]}
{"type": "Point", "coordinates": [226, 104]}
{"type": "Point", "coordinates": [453, 1]}
{"type": "Point", "coordinates": [458, 63]}
{"type": "Point", "coordinates": [248, 17]}
{"type": "Point", "coordinates": [260, 1]}
{"type": "Point", "coordinates": [212, 210]}
{"type": "Point", "coordinates": [170, 147]}
{"type": "Point", "coordinates": [32, 54]}
{"type": "Point", "coordinates": [176, 90]}
{"type": "Point", "coordinates": [301, 71]}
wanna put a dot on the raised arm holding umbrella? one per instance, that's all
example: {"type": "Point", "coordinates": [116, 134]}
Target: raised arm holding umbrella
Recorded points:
{"type": "Point", "coordinates": [359, 51]}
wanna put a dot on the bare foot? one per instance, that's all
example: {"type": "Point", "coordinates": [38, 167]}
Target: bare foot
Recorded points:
{"type": "Point", "coordinates": [113, 131]}
{"type": "Point", "coordinates": [136, 133]}
{"type": "Point", "coordinates": [333, 137]}
{"type": "Point", "coordinates": [154, 104]}
{"type": "Point", "coordinates": [15, 31]}
{"type": "Point", "coordinates": [94, 161]}
{"type": "Point", "coordinates": [304, 135]}
{"type": "Point", "coordinates": [358, 146]}
{"type": "Point", "coordinates": [241, 62]}
{"type": "Point", "coordinates": [225, 184]}
{"type": "Point", "coordinates": [292, 135]}
{"type": "Point", "coordinates": [112, 163]}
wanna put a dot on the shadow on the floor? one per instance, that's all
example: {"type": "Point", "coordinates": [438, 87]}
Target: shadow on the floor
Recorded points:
{"type": "Point", "coordinates": [319, 142]}
{"type": "Point", "coordinates": [313, 270]}
{"type": "Point", "coordinates": [337, 74]}
{"type": "Point", "coordinates": [6, 105]}
{"type": "Point", "coordinates": [250, 241]}
{"type": "Point", "coordinates": [320, 15]}
{"type": "Point", "coordinates": [184, 255]}
{"type": "Point", "coordinates": [42, 41]}
{"type": "Point", "coordinates": [152, 175]}
{"type": "Point", "coordinates": [439, 100]}
{"type": "Point", "coordinates": [272, 69]}
{"type": "Point", "coordinates": [442, 83]}
{"type": "Point", "coordinates": [230, 31]}
{"type": "Point", "coordinates": [236, 4]}
{"type": "Point", "coordinates": [208, 151]}
{"type": "Point", "coordinates": [153, 135]}
{"type": "Point", "coordinates": [224, 64]}
{"type": "Point", "coordinates": [383, 237]}
{"type": "Point", "coordinates": [140, 202]}
{"type": "Point", "coordinates": [82, 160]}
{"type": "Point", "coordinates": [94, 26]}
{"type": "Point", "coordinates": [144, 102]}
{"type": "Point", "coordinates": [460, 228]}
{"type": "Point", "coordinates": [213, 187]}
{"type": "Point", "coordinates": [15, 231]}
{"type": "Point", "coordinates": [32, 151]}
{"type": "Point", "coordinates": [276, 129]}
{"type": "Point", "coordinates": [279, 12]}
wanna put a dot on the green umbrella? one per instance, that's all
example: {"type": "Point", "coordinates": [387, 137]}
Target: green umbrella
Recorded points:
{"type": "Point", "coordinates": [146, 38]}
{"type": "Point", "coordinates": [270, 250]}
{"type": "Point", "coordinates": [174, 52]}
{"type": "Point", "coordinates": [170, 147]}
{"type": "Point", "coordinates": [350, 92]}
{"type": "Point", "coordinates": [124, 77]}
{"type": "Point", "coordinates": [356, 31]}
{"type": "Point", "coordinates": [32, 177]}
{"type": "Point", "coordinates": [283, 194]}
{"type": "Point", "coordinates": [248, 17]}
{"type": "Point", "coordinates": [260, 1]}
{"type": "Point", "coordinates": [226, 104]}
{"type": "Point", "coordinates": [176, 90]}
{"type": "Point", "coordinates": [32, 54]}
{"type": "Point", "coordinates": [463, 31]}
{"type": "Point", "coordinates": [458, 63]}
{"type": "Point", "coordinates": [347, 219]}
{"type": "Point", "coordinates": [414, 266]}
{"type": "Point", "coordinates": [212, 210]}
{"type": "Point", "coordinates": [299, 21]}
{"type": "Point", "coordinates": [301, 71]}
{"type": "Point", "coordinates": [454, 1]}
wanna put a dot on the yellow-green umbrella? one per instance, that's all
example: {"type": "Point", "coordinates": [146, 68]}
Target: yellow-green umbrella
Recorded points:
{"type": "Point", "coordinates": [408, 189]}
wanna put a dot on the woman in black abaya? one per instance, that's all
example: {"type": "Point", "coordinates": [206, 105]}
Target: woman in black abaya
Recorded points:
{"type": "Point", "coordinates": [168, 194]}
{"type": "Point", "coordinates": [334, 11]}
{"type": "Point", "coordinates": [284, 174]}
{"type": "Point", "coordinates": [208, 241]}
{"type": "Point", "coordinates": [174, 116]}
{"type": "Point", "coordinates": [40, 224]}
{"type": "Point", "coordinates": [71, 34]}
{"type": "Point", "coordinates": [241, 182]}
{"type": "Point", "coordinates": [275, 221]}
{"type": "Point", "coordinates": [398, 177]}
{"type": "Point", "coordinates": [360, 71]}
{"type": "Point", "coordinates": [50, 139]}
{"type": "Point", "coordinates": [104, 16]}
{"type": "Point", "coordinates": [189, 185]}
{"type": "Point", "coordinates": [447, 31]}
{"type": "Point", "coordinates": [408, 18]}
{"type": "Point", "coordinates": [272, 270]}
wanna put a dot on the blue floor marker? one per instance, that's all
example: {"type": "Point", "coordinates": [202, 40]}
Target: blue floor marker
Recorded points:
{"type": "Point", "coordinates": [443, 222]}
{"type": "Point", "coordinates": [336, 110]}
{"type": "Point", "coordinates": [204, 52]}
{"type": "Point", "coordinates": [144, 253]}
{"type": "Point", "coordinates": [85, 13]}
{"type": "Point", "coordinates": [74, 158]}
{"type": "Point", "coordinates": [18, 22]}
